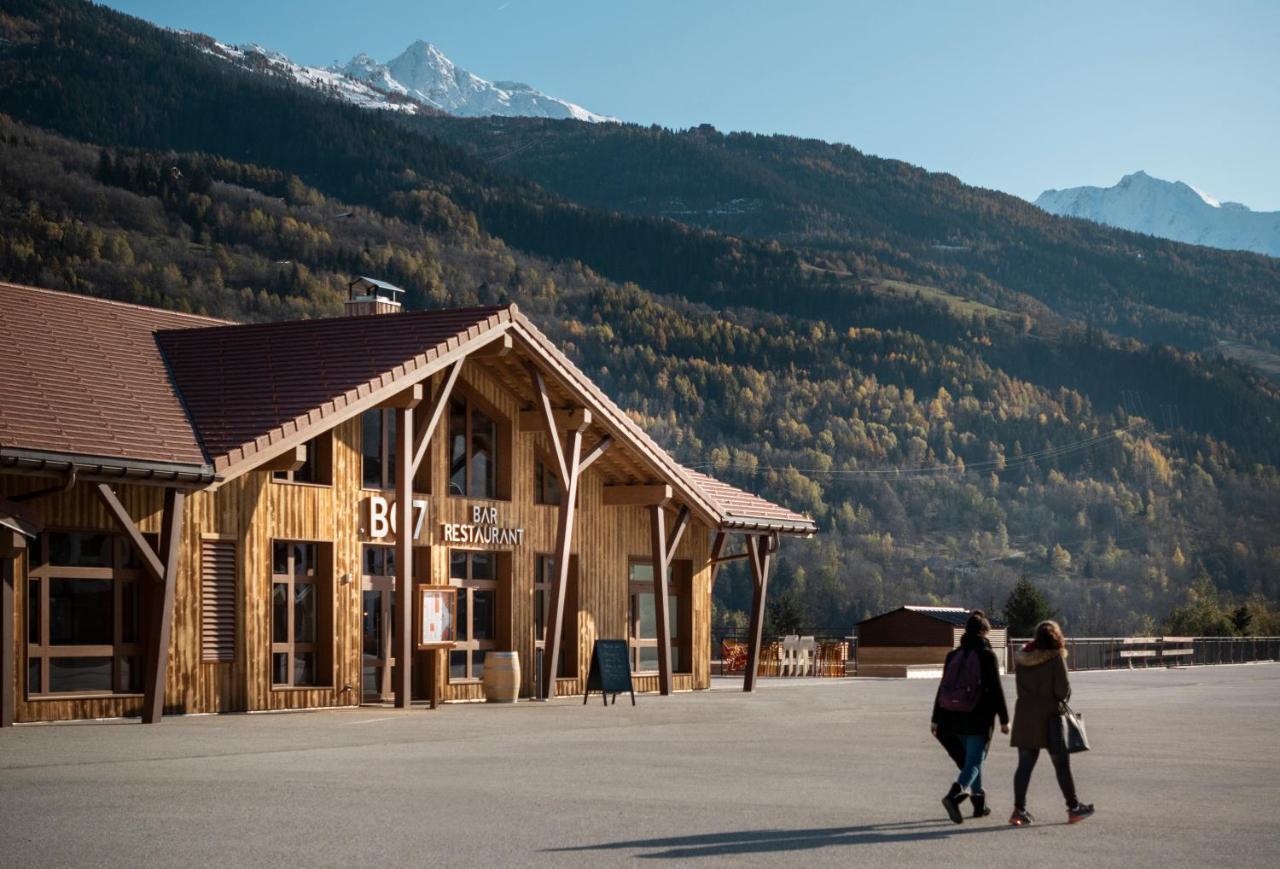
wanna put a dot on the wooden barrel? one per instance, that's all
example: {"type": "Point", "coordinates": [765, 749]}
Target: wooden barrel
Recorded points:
{"type": "Point", "coordinates": [501, 677]}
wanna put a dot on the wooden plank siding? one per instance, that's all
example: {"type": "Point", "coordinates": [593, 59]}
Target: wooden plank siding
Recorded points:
{"type": "Point", "coordinates": [251, 511]}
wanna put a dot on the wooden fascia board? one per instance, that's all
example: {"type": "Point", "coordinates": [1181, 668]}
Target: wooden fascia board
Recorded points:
{"type": "Point", "coordinates": [641, 495]}
{"type": "Point", "coordinates": [289, 460]}
{"type": "Point", "coordinates": [405, 399]}
{"type": "Point", "coordinates": [565, 419]}
{"type": "Point", "coordinates": [367, 397]}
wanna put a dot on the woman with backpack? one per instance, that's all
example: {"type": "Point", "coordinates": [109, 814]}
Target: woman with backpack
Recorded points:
{"type": "Point", "coordinates": [1043, 687]}
{"type": "Point", "coordinates": [968, 702]}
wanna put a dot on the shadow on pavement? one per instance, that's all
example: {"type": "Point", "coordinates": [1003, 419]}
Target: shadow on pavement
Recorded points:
{"type": "Point", "coordinates": [765, 841]}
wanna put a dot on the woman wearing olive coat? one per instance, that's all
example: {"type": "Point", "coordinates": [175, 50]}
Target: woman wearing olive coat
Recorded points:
{"type": "Point", "coordinates": [1043, 686]}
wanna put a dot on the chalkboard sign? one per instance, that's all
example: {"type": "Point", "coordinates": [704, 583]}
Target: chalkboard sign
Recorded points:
{"type": "Point", "coordinates": [610, 671]}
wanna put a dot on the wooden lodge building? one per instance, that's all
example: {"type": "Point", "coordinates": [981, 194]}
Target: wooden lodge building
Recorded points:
{"type": "Point", "coordinates": [201, 516]}
{"type": "Point", "coordinates": [913, 641]}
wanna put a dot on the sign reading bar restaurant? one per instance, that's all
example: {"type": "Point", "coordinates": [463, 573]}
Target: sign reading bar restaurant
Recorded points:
{"type": "Point", "coordinates": [483, 528]}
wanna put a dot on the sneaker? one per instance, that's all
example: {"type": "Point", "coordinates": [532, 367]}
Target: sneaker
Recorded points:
{"type": "Point", "coordinates": [1020, 818]}
{"type": "Point", "coordinates": [1079, 812]}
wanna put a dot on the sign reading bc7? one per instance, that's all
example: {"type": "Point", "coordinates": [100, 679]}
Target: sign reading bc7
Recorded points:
{"type": "Point", "coordinates": [383, 515]}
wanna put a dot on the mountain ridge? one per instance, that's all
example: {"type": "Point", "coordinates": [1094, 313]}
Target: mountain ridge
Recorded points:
{"type": "Point", "coordinates": [1169, 209]}
{"type": "Point", "coordinates": [421, 79]}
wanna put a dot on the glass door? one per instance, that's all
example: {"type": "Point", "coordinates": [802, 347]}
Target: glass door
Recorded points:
{"type": "Point", "coordinates": [378, 613]}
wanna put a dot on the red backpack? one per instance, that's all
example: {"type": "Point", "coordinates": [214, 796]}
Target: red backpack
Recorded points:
{"type": "Point", "coordinates": [961, 688]}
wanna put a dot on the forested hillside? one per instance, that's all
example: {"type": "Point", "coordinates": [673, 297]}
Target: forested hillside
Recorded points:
{"type": "Point", "coordinates": [857, 213]}
{"type": "Point", "coordinates": [944, 448]}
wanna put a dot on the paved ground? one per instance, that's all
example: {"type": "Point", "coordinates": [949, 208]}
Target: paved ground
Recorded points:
{"type": "Point", "coordinates": [1185, 772]}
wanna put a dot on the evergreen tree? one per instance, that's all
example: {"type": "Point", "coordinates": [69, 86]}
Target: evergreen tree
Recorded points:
{"type": "Point", "coordinates": [1025, 608]}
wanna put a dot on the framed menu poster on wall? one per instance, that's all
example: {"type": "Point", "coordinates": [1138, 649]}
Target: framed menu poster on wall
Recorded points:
{"type": "Point", "coordinates": [437, 607]}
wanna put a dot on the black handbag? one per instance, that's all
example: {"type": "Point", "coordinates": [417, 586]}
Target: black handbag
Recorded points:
{"type": "Point", "coordinates": [1066, 732]}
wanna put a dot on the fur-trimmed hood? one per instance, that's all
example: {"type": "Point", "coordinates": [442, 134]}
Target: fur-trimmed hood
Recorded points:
{"type": "Point", "coordinates": [1030, 656]}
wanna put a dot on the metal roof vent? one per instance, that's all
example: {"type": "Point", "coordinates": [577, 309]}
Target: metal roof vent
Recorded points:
{"type": "Point", "coordinates": [372, 296]}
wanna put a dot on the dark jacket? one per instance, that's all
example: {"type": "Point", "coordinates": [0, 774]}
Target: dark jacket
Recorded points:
{"type": "Point", "coordinates": [1043, 686]}
{"type": "Point", "coordinates": [981, 719]}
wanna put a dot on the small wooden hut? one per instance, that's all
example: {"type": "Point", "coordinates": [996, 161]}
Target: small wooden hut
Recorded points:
{"type": "Point", "coordinates": [913, 641]}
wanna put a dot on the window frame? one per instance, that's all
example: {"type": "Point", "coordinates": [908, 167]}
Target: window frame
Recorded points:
{"type": "Point", "coordinates": [544, 469]}
{"type": "Point", "coordinates": [121, 575]}
{"type": "Point", "coordinates": [467, 587]}
{"type": "Point", "coordinates": [679, 594]}
{"type": "Point", "coordinates": [501, 447]}
{"type": "Point", "coordinates": [387, 452]}
{"type": "Point", "coordinates": [319, 580]}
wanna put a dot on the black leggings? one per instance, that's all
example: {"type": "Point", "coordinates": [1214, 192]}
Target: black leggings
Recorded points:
{"type": "Point", "coordinates": [1027, 758]}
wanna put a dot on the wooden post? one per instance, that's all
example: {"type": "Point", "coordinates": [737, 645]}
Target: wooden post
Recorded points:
{"type": "Point", "coordinates": [162, 623]}
{"type": "Point", "coordinates": [759, 555]}
{"type": "Point", "coordinates": [572, 457]}
{"type": "Point", "coordinates": [7, 638]}
{"type": "Point", "coordinates": [404, 646]}
{"type": "Point", "coordinates": [658, 539]}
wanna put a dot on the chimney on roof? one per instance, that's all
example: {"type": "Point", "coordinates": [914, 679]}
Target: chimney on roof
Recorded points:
{"type": "Point", "coordinates": [372, 296]}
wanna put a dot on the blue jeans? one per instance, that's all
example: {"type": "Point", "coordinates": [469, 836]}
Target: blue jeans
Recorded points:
{"type": "Point", "coordinates": [975, 752]}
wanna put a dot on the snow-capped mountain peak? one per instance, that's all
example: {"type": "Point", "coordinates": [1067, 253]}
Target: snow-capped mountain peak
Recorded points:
{"type": "Point", "coordinates": [424, 73]}
{"type": "Point", "coordinates": [420, 77]}
{"type": "Point", "coordinates": [1169, 209]}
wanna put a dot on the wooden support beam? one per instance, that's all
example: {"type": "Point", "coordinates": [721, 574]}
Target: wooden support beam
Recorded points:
{"type": "Point", "coordinates": [760, 555]}
{"type": "Point", "coordinates": [596, 452]}
{"type": "Point", "coordinates": [549, 420]}
{"type": "Point", "coordinates": [150, 561]}
{"type": "Point", "coordinates": [18, 518]}
{"type": "Point", "coordinates": [564, 419]}
{"type": "Point", "coordinates": [162, 607]}
{"type": "Point", "coordinates": [289, 460]}
{"type": "Point", "coordinates": [500, 346]}
{"type": "Point", "coordinates": [439, 402]}
{"type": "Point", "coordinates": [8, 701]}
{"type": "Point", "coordinates": [404, 646]}
{"type": "Point", "coordinates": [406, 399]}
{"type": "Point", "coordinates": [660, 554]}
{"type": "Point", "coordinates": [717, 554]}
{"type": "Point", "coordinates": [643, 495]}
{"type": "Point", "coordinates": [564, 546]}
{"type": "Point", "coordinates": [677, 531]}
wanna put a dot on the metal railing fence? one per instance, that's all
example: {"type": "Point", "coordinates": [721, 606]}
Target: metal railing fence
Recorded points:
{"type": "Point", "coordinates": [1115, 653]}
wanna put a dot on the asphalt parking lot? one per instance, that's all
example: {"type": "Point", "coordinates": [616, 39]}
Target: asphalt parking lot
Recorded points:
{"type": "Point", "coordinates": [1185, 772]}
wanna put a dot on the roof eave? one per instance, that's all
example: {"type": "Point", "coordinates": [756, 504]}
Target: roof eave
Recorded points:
{"type": "Point", "coordinates": [105, 468]}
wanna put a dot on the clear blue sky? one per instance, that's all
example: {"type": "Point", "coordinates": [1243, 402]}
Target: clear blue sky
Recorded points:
{"type": "Point", "coordinates": [1019, 96]}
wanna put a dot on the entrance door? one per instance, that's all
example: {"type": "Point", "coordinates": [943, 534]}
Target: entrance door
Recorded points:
{"type": "Point", "coordinates": [378, 608]}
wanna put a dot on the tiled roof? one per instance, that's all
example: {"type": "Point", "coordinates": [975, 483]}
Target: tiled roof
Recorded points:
{"type": "Point", "coordinates": [83, 376]}
{"type": "Point", "coordinates": [745, 510]}
{"type": "Point", "coordinates": [247, 386]}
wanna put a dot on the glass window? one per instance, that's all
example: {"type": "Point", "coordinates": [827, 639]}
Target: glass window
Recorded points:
{"type": "Point", "coordinates": [546, 483]}
{"type": "Point", "coordinates": [81, 612]}
{"type": "Point", "coordinates": [79, 675]}
{"type": "Point", "coordinates": [84, 632]}
{"type": "Point", "coordinates": [473, 442]}
{"type": "Point", "coordinates": [299, 583]}
{"type": "Point", "coordinates": [80, 549]}
{"type": "Point", "coordinates": [378, 448]}
{"type": "Point", "coordinates": [643, 620]}
{"type": "Point", "coordinates": [476, 575]}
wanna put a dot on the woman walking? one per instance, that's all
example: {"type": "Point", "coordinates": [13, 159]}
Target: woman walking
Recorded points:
{"type": "Point", "coordinates": [1042, 689]}
{"type": "Point", "coordinates": [968, 702]}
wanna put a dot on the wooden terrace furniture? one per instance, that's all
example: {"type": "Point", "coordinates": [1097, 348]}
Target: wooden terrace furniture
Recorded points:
{"type": "Point", "coordinates": [733, 656]}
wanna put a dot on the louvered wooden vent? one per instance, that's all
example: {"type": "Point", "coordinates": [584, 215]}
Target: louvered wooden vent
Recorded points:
{"type": "Point", "coordinates": [217, 601]}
